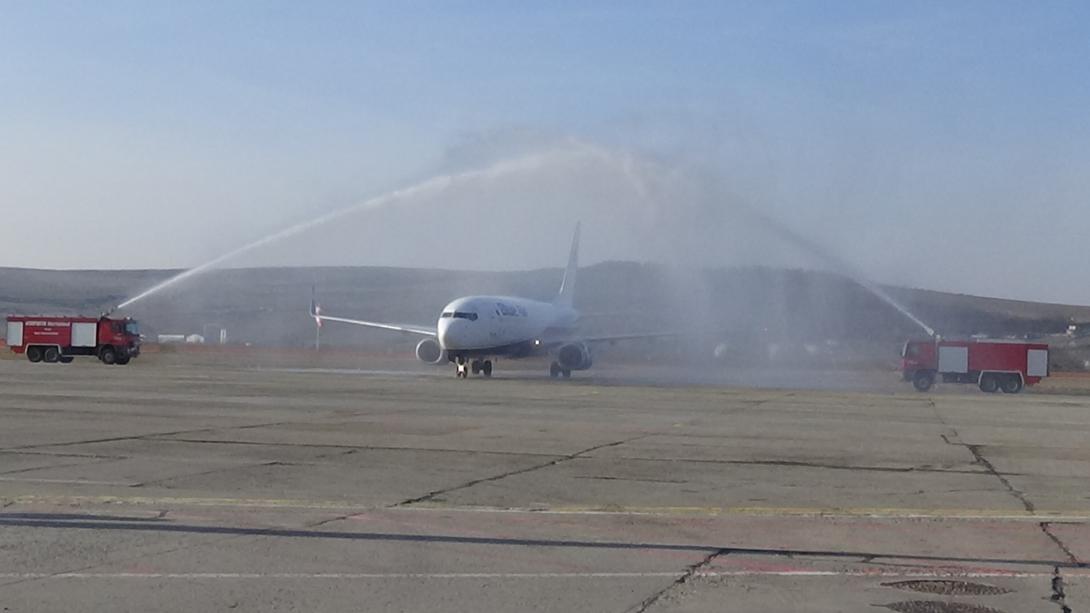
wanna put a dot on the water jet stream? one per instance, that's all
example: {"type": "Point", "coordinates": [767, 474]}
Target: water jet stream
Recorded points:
{"type": "Point", "coordinates": [636, 171]}
{"type": "Point", "coordinates": [431, 186]}
{"type": "Point", "coordinates": [839, 265]}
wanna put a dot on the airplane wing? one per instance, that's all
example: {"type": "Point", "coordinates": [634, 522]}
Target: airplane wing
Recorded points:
{"type": "Point", "coordinates": [610, 338]}
{"type": "Point", "coordinates": [408, 328]}
{"type": "Point", "coordinates": [628, 337]}
{"type": "Point", "coordinates": [316, 313]}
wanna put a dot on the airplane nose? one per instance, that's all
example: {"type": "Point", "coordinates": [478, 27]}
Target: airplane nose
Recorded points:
{"type": "Point", "coordinates": [448, 334]}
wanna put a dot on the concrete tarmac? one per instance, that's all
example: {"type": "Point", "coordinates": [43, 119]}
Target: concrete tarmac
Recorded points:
{"type": "Point", "coordinates": [175, 487]}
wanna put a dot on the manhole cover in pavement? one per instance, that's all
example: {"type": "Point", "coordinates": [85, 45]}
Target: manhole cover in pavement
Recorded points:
{"type": "Point", "coordinates": [938, 606]}
{"type": "Point", "coordinates": [946, 587]}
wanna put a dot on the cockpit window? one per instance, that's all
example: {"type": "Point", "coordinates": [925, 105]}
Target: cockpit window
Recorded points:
{"type": "Point", "coordinates": [465, 315]}
{"type": "Point", "coordinates": [447, 314]}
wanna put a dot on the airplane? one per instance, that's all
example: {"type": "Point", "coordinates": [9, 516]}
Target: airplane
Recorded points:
{"type": "Point", "coordinates": [472, 331]}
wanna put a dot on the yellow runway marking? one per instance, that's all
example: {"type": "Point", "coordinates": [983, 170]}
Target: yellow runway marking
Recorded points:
{"type": "Point", "coordinates": [829, 512]}
{"type": "Point", "coordinates": [678, 511]}
{"type": "Point", "coordinates": [168, 501]}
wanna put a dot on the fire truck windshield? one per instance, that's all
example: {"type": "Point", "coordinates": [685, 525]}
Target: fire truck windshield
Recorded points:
{"type": "Point", "coordinates": [131, 327]}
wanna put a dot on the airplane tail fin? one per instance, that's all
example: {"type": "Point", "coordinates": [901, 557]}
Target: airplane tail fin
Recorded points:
{"type": "Point", "coordinates": [566, 296]}
{"type": "Point", "coordinates": [315, 308]}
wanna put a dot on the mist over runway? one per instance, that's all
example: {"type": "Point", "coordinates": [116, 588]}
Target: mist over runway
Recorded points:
{"type": "Point", "coordinates": [208, 487]}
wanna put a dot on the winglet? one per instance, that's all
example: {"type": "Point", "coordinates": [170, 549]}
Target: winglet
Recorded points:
{"type": "Point", "coordinates": [566, 296]}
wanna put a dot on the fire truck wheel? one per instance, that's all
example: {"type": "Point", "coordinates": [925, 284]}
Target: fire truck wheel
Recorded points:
{"type": "Point", "coordinates": [34, 354]}
{"type": "Point", "coordinates": [107, 355]}
{"type": "Point", "coordinates": [66, 359]}
{"type": "Point", "coordinates": [122, 361]}
{"type": "Point", "coordinates": [51, 355]}
{"type": "Point", "coordinates": [989, 384]}
{"type": "Point", "coordinates": [1012, 384]}
{"type": "Point", "coordinates": [923, 381]}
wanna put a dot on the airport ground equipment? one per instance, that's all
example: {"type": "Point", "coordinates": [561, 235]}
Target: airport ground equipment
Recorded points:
{"type": "Point", "coordinates": [58, 338]}
{"type": "Point", "coordinates": [993, 365]}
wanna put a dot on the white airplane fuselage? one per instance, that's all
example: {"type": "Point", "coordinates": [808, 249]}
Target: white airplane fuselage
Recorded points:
{"type": "Point", "coordinates": [472, 330]}
{"type": "Point", "coordinates": [501, 325]}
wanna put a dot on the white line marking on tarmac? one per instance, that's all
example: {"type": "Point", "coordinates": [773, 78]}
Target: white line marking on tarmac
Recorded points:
{"type": "Point", "coordinates": [775, 512]}
{"type": "Point", "coordinates": [353, 371]}
{"type": "Point", "coordinates": [591, 575]}
{"type": "Point", "coordinates": [1038, 515]}
{"type": "Point", "coordinates": [67, 481]}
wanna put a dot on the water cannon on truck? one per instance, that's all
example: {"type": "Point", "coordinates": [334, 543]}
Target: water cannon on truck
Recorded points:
{"type": "Point", "coordinates": [59, 338]}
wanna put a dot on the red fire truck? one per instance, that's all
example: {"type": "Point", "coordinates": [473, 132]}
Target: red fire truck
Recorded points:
{"type": "Point", "coordinates": [991, 364]}
{"type": "Point", "coordinates": [57, 338]}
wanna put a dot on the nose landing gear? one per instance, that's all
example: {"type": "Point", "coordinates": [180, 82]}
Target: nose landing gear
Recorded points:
{"type": "Point", "coordinates": [477, 367]}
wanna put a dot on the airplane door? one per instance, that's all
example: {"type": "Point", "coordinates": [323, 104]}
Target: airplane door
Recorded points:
{"type": "Point", "coordinates": [498, 330]}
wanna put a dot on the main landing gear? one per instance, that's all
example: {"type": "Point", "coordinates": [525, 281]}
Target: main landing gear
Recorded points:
{"type": "Point", "coordinates": [556, 370]}
{"type": "Point", "coordinates": [477, 367]}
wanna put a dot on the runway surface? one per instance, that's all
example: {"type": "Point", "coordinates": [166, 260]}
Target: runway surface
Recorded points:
{"type": "Point", "coordinates": [165, 486]}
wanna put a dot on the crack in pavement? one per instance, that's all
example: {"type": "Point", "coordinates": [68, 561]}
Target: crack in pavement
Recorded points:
{"type": "Point", "coordinates": [1046, 527]}
{"type": "Point", "coordinates": [556, 460]}
{"type": "Point", "coordinates": [1058, 595]}
{"type": "Point", "coordinates": [1013, 491]}
{"type": "Point", "coordinates": [691, 571]}
{"type": "Point", "coordinates": [953, 438]}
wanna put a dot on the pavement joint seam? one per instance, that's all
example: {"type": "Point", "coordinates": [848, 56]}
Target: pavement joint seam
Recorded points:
{"type": "Point", "coordinates": [130, 525]}
{"type": "Point", "coordinates": [67, 465]}
{"type": "Point", "coordinates": [800, 464]}
{"type": "Point", "coordinates": [557, 460]}
{"type": "Point", "coordinates": [349, 447]}
{"type": "Point", "coordinates": [48, 454]}
{"type": "Point", "coordinates": [107, 440]}
{"type": "Point", "coordinates": [213, 471]}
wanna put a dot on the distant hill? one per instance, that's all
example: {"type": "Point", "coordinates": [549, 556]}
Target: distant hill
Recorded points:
{"type": "Point", "coordinates": [748, 309]}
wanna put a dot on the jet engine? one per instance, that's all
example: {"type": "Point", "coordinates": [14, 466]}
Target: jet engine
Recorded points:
{"type": "Point", "coordinates": [574, 356]}
{"type": "Point", "coordinates": [428, 350]}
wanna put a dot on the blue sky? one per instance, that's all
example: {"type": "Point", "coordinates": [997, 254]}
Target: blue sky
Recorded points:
{"type": "Point", "coordinates": [925, 142]}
